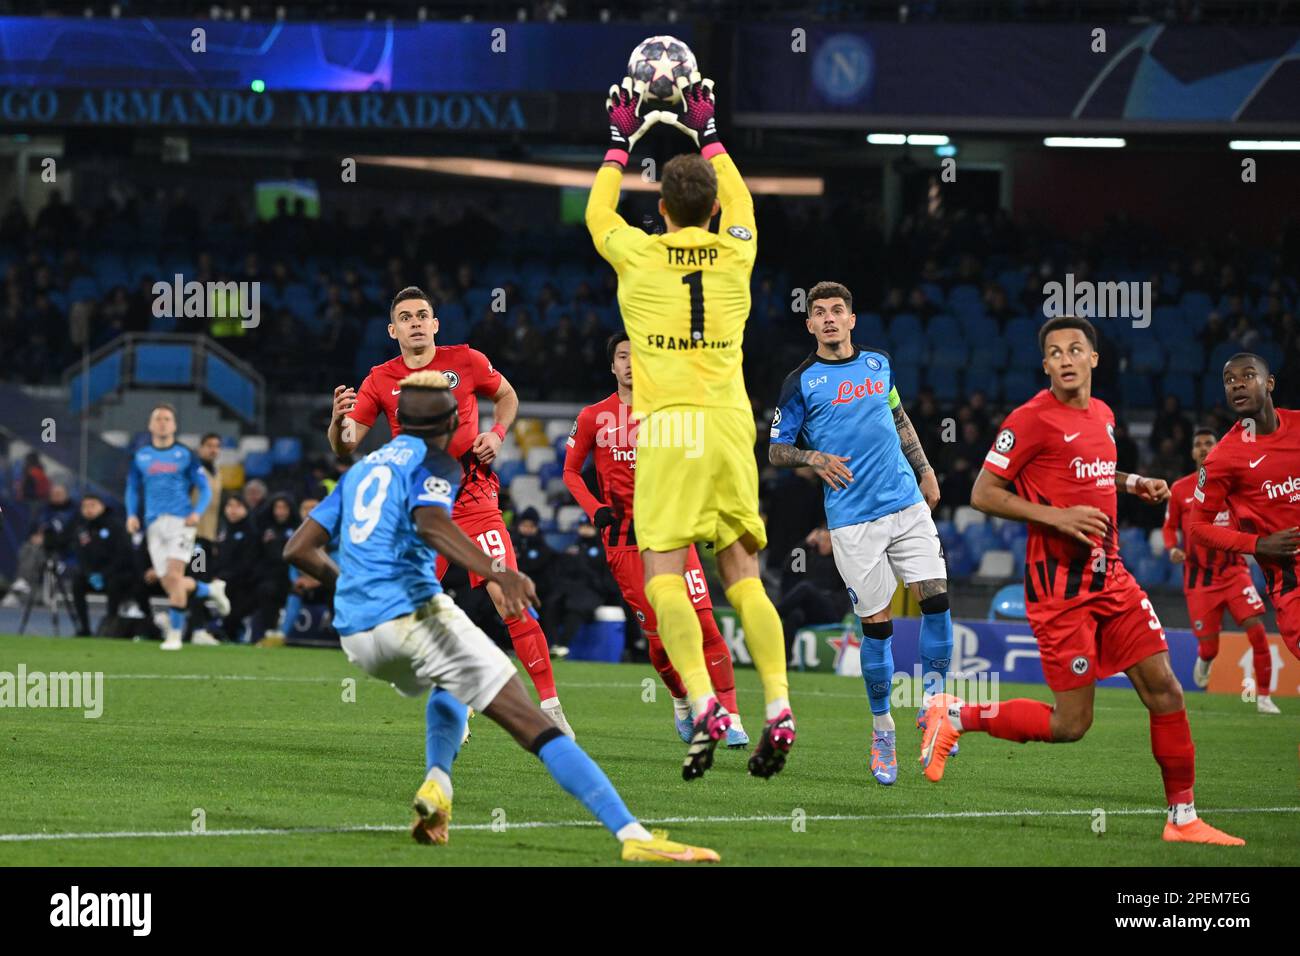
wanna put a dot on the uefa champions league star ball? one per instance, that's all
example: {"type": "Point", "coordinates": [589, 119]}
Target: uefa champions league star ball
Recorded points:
{"type": "Point", "coordinates": [658, 61]}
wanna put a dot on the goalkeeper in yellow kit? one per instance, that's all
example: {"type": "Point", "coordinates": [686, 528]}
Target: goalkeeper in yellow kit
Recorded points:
{"type": "Point", "coordinates": [684, 296]}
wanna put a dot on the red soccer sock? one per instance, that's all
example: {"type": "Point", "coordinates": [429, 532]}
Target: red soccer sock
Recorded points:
{"type": "Point", "coordinates": [1171, 745]}
{"type": "Point", "coordinates": [1207, 648]}
{"type": "Point", "coordinates": [717, 658]}
{"type": "Point", "coordinates": [667, 673]}
{"type": "Point", "coordinates": [530, 644]}
{"type": "Point", "coordinates": [1263, 656]}
{"type": "Point", "coordinates": [1020, 720]}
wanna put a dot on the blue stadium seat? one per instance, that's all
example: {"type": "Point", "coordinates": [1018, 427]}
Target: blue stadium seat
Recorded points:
{"type": "Point", "coordinates": [1196, 308]}
{"type": "Point", "coordinates": [965, 297]}
{"type": "Point", "coordinates": [286, 452]}
{"type": "Point", "coordinates": [907, 379]}
{"type": "Point", "coordinates": [1019, 387]}
{"type": "Point", "coordinates": [946, 383]}
{"type": "Point", "coordinates": [985, 380]}
{"type": "Point", "coordinates": [977, 328]}
{"type": "Point", "coordinates": [552, 469]}
{"type": "Point", "coordinates": [511, 470]}
{"type": "Point", "coordinates": [1182, 387]}
{"type": "Point", "coordinates": [1270, 353]}
{"type": "Point", "coordinates": [1137, 390]}
{"type": "Point", "coordinates": [905, 328]}
{"type": "Point", "coordinates": [258, 464]}
{"type": "Point", "coordinates": [933, 292]}
{"type": "Point", "coordinates": [1186, 357]}
{"type": "Point", "coordinates": [945, 329]}
{"type": "Point", "coordinates": [989, 353]}
{"type": "Point", "coordinates": [1012, 282]}
{"type": "Point", "coordinates": [870, 330]}
{"type": "Point", "coordinates": [1211, 391]}
{"type": "Point", "coordinates": [1219, 357]}
{"type": "Point", "coordinates": [1147, 356]}
{"type": "Point", "coordinates": [910, 352]}
{"type": "Point", "coordinates": [949, 353]}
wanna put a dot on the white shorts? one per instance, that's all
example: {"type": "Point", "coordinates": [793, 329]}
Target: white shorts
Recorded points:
{"type": "Point", "coordinates": [436, 645]}
{"type": "Point", "coordinates": [871, 556]}
{"type": "Point", "coordinates": [168, 537]}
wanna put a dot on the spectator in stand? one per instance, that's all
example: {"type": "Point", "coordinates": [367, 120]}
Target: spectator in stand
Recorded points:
{"type": "Point", "coordinates": [254, 498]}
{"type": "Point", "coordinates": [582, 582]}
{"type": "Point", "coordinates": [273, 570]}
{"type": "Point", "coordinates": [1171, 422]}
{"type": "Point", "coordinates": [305, 590]}
{"type": "Point", "coordinates": [205, 536]}
{"type": "Point", "coordinates": [32, 484]}
{"type": "Point", "coordinates": [539, 561]}
{"type": "Point", "coordinates": [104, 564]}
{"type": "Point", "coordinates": [239, 550]}
{"type": "Point", "coordinates": [58, 523]}
{"type": "Point", "coordinates": [812, 591]}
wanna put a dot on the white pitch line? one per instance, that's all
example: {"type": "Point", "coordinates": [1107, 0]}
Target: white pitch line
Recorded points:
{"type": "Point", "coordinates": [555, 824]}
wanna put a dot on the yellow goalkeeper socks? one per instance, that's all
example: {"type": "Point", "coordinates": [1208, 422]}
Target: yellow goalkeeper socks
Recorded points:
{"type": "Point", "coordinates": [763, 637]}
{"type": "Point", "coordinates": [682, 636]}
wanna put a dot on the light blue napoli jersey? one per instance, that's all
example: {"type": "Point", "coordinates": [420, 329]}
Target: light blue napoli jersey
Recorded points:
{"type": "Point", "coordinates": [160, 480]}
{"type": "Point", "coordinates": [385, 568]}
{"type": "Point", "coordinates": [846, 407]}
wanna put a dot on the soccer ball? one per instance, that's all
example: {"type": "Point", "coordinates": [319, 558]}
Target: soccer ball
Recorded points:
{"type": "Point", "coordinates": [659, 61]}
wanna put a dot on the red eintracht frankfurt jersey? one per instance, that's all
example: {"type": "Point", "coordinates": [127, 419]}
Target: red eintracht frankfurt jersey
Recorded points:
{"type": "Point", "coordinates": [1204, 567]}
{"type": "Point", "coordinates": [1057, 455]}
{"type": "Point", "coordinates": [470, 375]}
{"type": "Point", "coordinates": [1258, 477]}
{"type": "Point", "coordinates": [606, 431]}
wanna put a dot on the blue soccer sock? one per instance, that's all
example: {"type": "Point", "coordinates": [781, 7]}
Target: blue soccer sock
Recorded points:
{"type": "Point", "coordinates": [444, 728]}
{"type": "Point", "coordinates": [176, 618]}
{"type": "Point", "coordinates": [877, 655]}
{"type": "Point", "coordinates": [201, 589]}
{"type": "Point", "coordinates": [578, 774]}
{"type": "Point", "coordinates": [292, 608]}
{"type": "Point", "coordinates": [936, 642]}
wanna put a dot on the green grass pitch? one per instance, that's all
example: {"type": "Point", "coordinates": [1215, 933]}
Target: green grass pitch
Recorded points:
{"type": "Point", "coordinates": [262, 747]}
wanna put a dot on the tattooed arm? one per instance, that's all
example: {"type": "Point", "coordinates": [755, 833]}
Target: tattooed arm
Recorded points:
{"type": "Point", "coordinates": [831, 468]}
{"type": "Point", "coordinates": [915, 455]}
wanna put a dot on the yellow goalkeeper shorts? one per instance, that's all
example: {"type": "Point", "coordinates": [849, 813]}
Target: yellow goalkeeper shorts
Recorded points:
{"type": "Point", "coordinates": [696, 479]}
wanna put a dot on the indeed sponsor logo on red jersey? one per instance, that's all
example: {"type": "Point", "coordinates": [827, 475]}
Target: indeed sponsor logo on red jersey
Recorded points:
{"type": "Point", "coordinates": [1103, 471]}
{"type": "Point", "coordinates": [849, 392]}
{"type": "Point", "coordinates": [1289, 489]}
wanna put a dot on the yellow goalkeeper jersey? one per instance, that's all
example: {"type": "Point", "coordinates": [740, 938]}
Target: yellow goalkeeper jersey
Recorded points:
{"type": "Point", "coordinates": [684, 295]}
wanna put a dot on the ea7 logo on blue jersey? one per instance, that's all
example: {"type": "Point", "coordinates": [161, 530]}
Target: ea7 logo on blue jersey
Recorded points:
{"type": "Point", "coordinates": [819, 380]}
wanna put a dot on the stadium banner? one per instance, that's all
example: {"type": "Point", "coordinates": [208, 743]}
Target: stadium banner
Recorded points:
{"type": "Point", "coordinates": [368, 112]}
{"type": "Point", "coordinates": [338, 56]}
{"type": "Point", "coordinates": [1054, 77]}
{"type": "Point", "coordinates": [1234, 667]}
{"type": "Point", "coordinates": [372, 77]}
{"type": "Point", "coordinates": [1008, 650]}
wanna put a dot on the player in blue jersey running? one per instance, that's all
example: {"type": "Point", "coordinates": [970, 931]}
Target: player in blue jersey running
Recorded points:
{"type": "Point", "coordinates": [842, 407]}
{"type": "Point", "coordinates": [391, 516]}
{"type": "Point", "coordinates": [160, 497]}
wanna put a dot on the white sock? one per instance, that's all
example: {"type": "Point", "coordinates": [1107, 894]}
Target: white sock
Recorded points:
{"type": "Point", "coordinates": [681, 707]}
{"type": "Point", "coordinates": [774, 707]}
{"type": "Point", "coordinates": [700, 704]}
{"type": "Point", "coordinates": [1182, 813]}
{"type": "Point", "coordinates": [439, 776]}
{"type": "Point", "coordinates": [954, 718]}
{"type": "Point", "coordinates": [882, 722]}
{"type": "Point", "coordinates": [1263, 697]}
{"type": "Point", "coordinates": [633, 831]}
{"type": "Point", "coordinates": [551, 702]}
